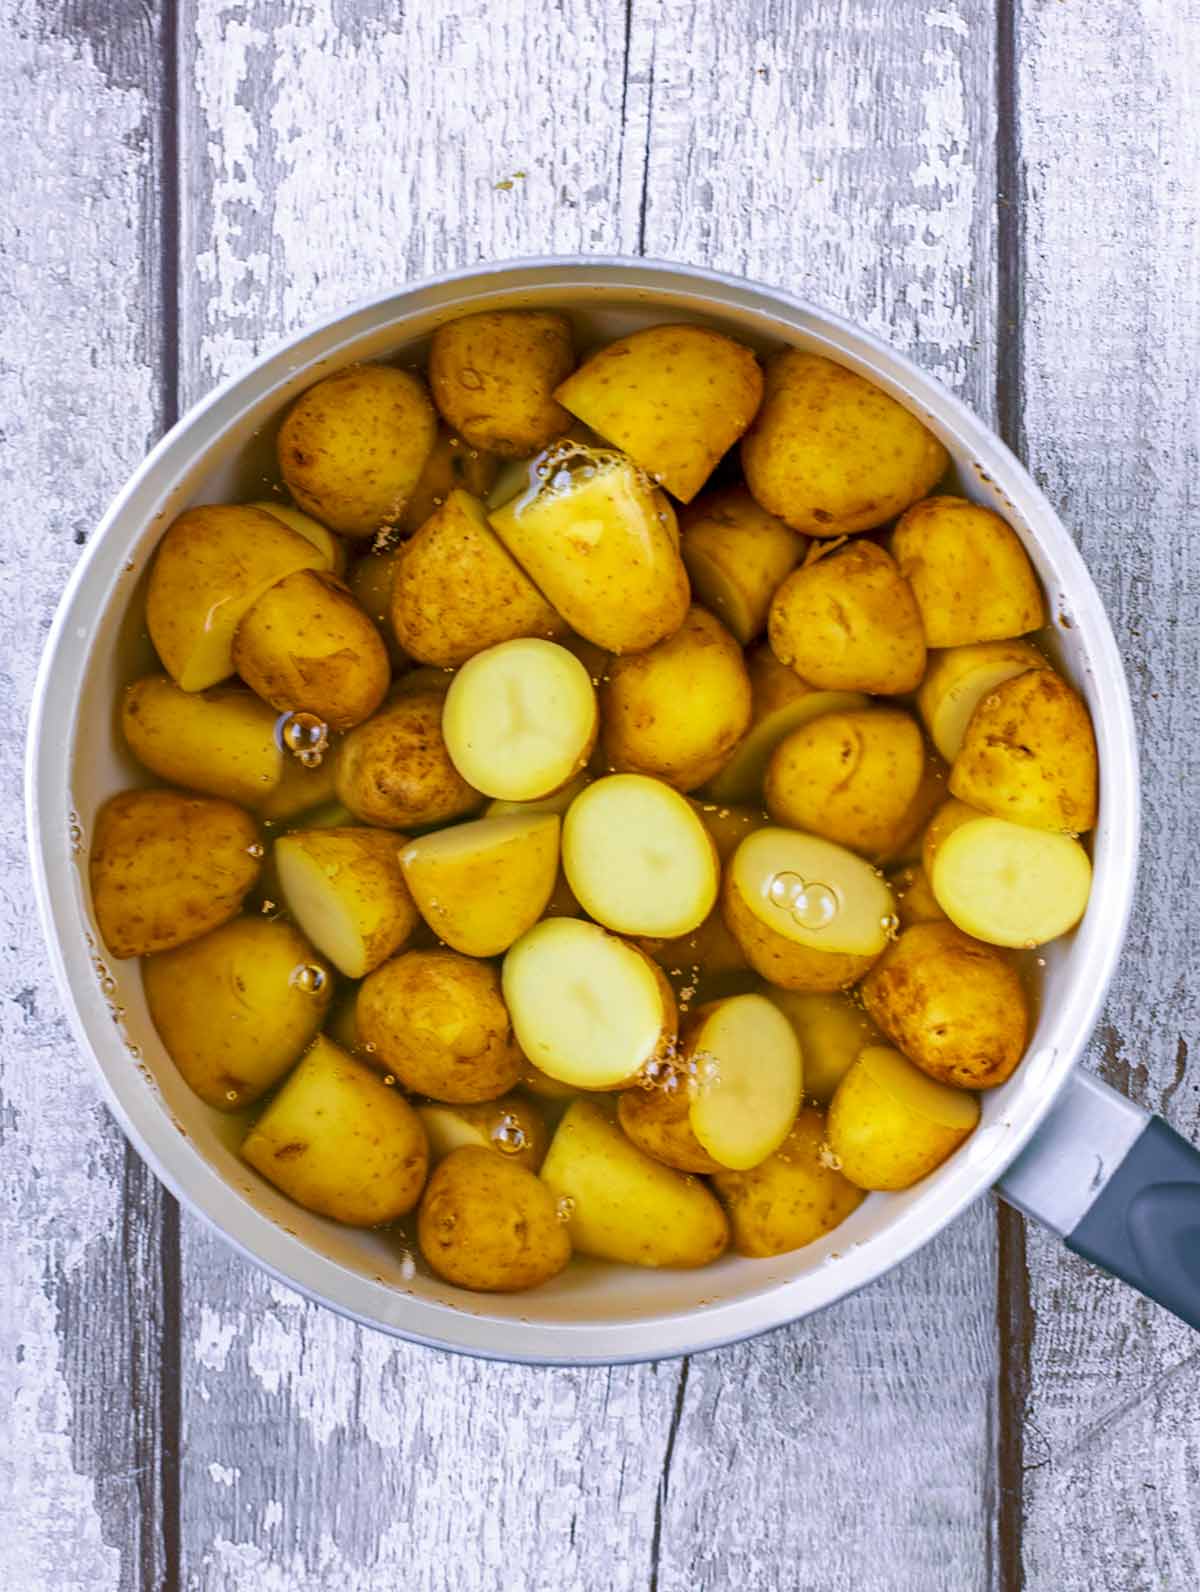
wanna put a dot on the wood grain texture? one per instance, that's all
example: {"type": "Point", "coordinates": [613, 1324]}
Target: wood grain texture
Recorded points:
{"type": "Point", "coordinates": [80, 1227]}
{"type": "Point", "coordinates": [1110, 389]}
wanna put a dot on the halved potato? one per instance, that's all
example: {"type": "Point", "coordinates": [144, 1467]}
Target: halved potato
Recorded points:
{"type": "Point", "coordinates": [370, 580]}
{"type": "Point", "coordinates": [638, 857]}
{"type": "Point", "coordinates": [657, 1118]}
{"type": "Point", "coordinates": [890, 1125]}
{"type": "Point", "coordinates": [587, 1008]}
{"type": "Point", "coordinates": [493, 376]}
{"type": "Point", "coordinates": [968, 571]}
{"type": "Point", "coordinates": [302, 788]}
{"type": "Point", "coordinates": [220, 741]}
{"type": "Point", "coordinates": [512, 1126]}
{"type": "Point", "coordinates": [941, 826]}
{"type": "Point", "coordinates": [832, 1030]}
{"type": "Point", "coordinates": [487, 1223]}
{"type": "Point", "coordinates": [453, 464]}
{"type": "Point", "coordinates": [479, 886]}
{"type": "Point", "coordinates": [331, 547]}
{"type": "Point", "coordinates": [737, 555]}
{"type": "Point", "coordinates": [1009, 884]}
{"type": "Point", "coordinates": [520, 719]}
{"type": "Point", "coordinates": [958, 679]}
{"type": "Point", "coordinates": [792, 1198]}
{"type": "Point", "coordinates": [395, 771]}
{"type": "Point", "coordinates": [674, 398]}
{"type": "Point", "coordinates": [746, 1079]}
{"type": "Point", "coordinates": [346, 889]}
{"type": "Point", "coordinates": [808, 914]}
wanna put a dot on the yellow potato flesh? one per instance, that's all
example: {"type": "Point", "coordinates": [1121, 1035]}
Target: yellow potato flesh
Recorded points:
{"type": "Point", "coordinates": [586, 1008]}
{"type": "Point", "coordinates": [520, 719]}
{"type": "Point", "coordinates": [944, 822]}
{"type": "Point", "coordinates": [737, 555]}
{"type": "Point", "coordinates": [958, 679]}
{"type": "Point", "coordinates": [622, 1204]}
{"type": "Point", "coordinates": [211, 567]}
{"type": "Point", "coordinates": [792, 1198]}
{"type": "Point", "coordinates": [1009, 884]}
{"type": "Point", "coordinates": [221, 741]}
{"type": "Point", "coordinates": [638, 857]}
{"type": "Point", "coordinates": [331, 547]}
{"type": "Point", "coordinates": [340, 1142]}
{"type": "Point", "coordinates": [236, 1008]}
{"type": "Point", "coordinates": [488, 1224]}
{"type": "Point", "coordinates": [969, 573]}
{"type": "Point", "coordinates": [479, 886]}
{"type": "Point", "coordinates": [511, 1126]}
{"type": "Point", "coordinates": [813, 892]}
{"type": "Point", "coordinates": [602, 547]}
{"type": "Point", "coordinates": [452, 464]}
{"type": "Point", "coordinates": [889, 1125]}
{"type": "Point", "coordinates": [346, 889]}
{"type": "Point", "coordinates": [656, 1118]}
{"type": "Point", "coordinates": [832, 1030]}
{"type": "Point", "coordinates": [748, 1080]}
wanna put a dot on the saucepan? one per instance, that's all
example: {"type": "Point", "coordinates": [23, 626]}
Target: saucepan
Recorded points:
{"type": "Point", "coordinates": [1120, 1186]}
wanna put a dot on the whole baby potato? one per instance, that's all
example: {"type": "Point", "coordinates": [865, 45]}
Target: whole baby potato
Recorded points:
{"type": "Point", "coordinates": [737, 555]}
{"type": "Point", "coordinates": [954, 1006]}
{"type": "Point", "coordinates": [851, 777]}
{"type": "Point", "coordinates": [489, 1224]}
{"type": "Point", "coordinates": [220, 741]}
{"type": "Point", "coordinates": [352, 448]}
{"type": "Point", "coordinates": [677, 710]}
{"type": "Point", "coordinates": [394, 770]}
{"type": "Point", "coordinates": [306, 646]}
{"type": "Point", "coordinates": [830, 453]}
{"type": "Point", "coordinates": [493, 377]}
{"type": "Point", "coordinates": [453, 465]}
{"type": "Point", "coordinates": [167, 867]}
{"type": "Point", "coordinates": [792, 1198]}
{"type": "Point", "coordinates": [849, 622]}
{"type": "Point", "coordinates": [968, 571]}
{"type": "Point", "coordinates": [438, 1021]}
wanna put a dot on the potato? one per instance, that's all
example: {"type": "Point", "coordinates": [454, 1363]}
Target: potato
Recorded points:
{"type": "Point", "coordinates": [394, 770]}
{"type": "Point", "coordinates": [736, 556]}
{"type": "Point", "coordinates": [674, 398]}
{"type": "Point", "coordinates": [331, 547]}
{"type": "Point", "coordinates": [520, 719]}
{"type": "Point", "coordinates": [167, 867]}
{"type": "Point", "coordinates": [677, 710]}
{"type": "Point", "coordinates": [705, 953]}
{"type": "Point", "coordinates": [849, 622]}
{"type": "Point", "coordinates": [638, 858]}
{"type": "Point", "coordinates": [1029, 755]}
{"type": "Point", "coordinates": [438, 1021]}
{"type": "Point", "coordinates": [808, 914]}
{"type": "Point", "coordinates": [341, 1023]}
{"type": "Point", "coordinates": [479, 886]}
{"type": "Point", "coordinates": [931, 795]}
{"type": "Point", "coordinates": [307, 647]}
{"type": "Point", "coordinates": [512, 1126]}
{"type": "Point", "coordinates": [603, 546]}
{"type": "Point", "coordinates": [487, 1223]}
{"type": "Point", "coordinates": [340, 1142]}
{"type": "Point", "coordinates": [304, 787]}
{"type": "Point", "coordinates": [915, 900]}
{"type": "Point", "coordinates": [536, 1082]}
{"type": "Point", "coordinates": [831, 1029]}
{"type": "Point", "coordinates": [956, 1008]}
{"type": "Point", "coordinates": [220, 741]}
{"type": "Point", "coordinates": [781, 703]}
{"type": "Point", "coordinates": [587, 1008]}
{"type": "Point", "coordinates": [792, 1198]}
{"type": "Point", "coordinates": [452, 465]}
{"type": "Point", "coordinates": [657, 1119]}
{"type": "Point", "coordinates": [851, 777]}
{"type": "Point", "coordinates": [236, 1007]}
{"type": "Point", "coordinates": [557, 802]}
{"type": "Point", "coordinates": [370, 581]}
{"type": "Point", "coordinates": [623, 1205]}
{"type": "Point", "coordinates": [353, 447]}
{"type": "Point", "coordinates": [958, 679]}
{"type": "Point", "coordinates": [746, 1076]}
{"type": "Point", "coordinates": [493, 377]}
{"type": "Point", "coordinates": [943, 823]}
{"type": "Point", "coordinates": [890, 1125]}
{"type": "Point", "coordinates": [211, 567]}
{"type": "Point", "coordinates": [457, 591]}
{"type": "Point", "coordinates": [346, 889]}
{"type": "Point", "coordinates": [968, 571]}
{"type": "Point", "coordinates": [1009, 884]}
{"type": "Point", "coordinates": [830, 453]}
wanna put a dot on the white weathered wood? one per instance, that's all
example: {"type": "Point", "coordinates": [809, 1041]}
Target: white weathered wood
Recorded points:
{"type": "Point", "coordinates": [80, 1461]}
{"type": "Point", "coordinates": [1110, 330]}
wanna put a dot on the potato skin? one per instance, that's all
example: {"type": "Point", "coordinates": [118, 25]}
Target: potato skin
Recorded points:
{"type": "Point", "coordinates": [1029, 755]}
{"type": "Point", "coordinates": [877, 1136]}
{"type": "Point", "coordinates": [352, 448]}
{"type": "Point", "coordinates": [830, 453]}
{"type": "Point", "coordinates": [488, 1224]}
{"type": "Point", "coordinates": [306, 646]}
{"type": "Point", "coordinates": [438, 1021]}
{"type": "Point", "coordinates": [657, 1121]}
{"type": "Point", "coordinates": [968, 571]}
{"type": "Point", "coordinates": [954, 1006]}
{"type": "Point", "coordinates": [394, 770]}
{"type": "Point", "coordinates": [363, 865]}
{"type": "Point", "coordinates": [167, 867]}
{"type": "Point", "coordinates": [678, 710]}
{"type": "Point", "coordinates": [782, 961]}
{"type": "Point", "coordinates": [453, 465]}
{"type": "Point", "coordinates": [915, 900]}
{"type": "Point", "coordinates": [737, 555]}
{"type": "Point", "coordinates": [220, 741]}
{"type": "Point", "coordinates": [493, 377]}
{"type": "Point", "coordinates": [849, 622]}
{"type": "Point", "coordinates": [511, 1125]}
{"type": "Point", "coordinates": [792, 1198]}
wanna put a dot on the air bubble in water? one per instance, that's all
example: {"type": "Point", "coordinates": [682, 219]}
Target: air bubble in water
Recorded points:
{"type": "Point", "coordinates": [256, 850]}
{"type": "Point", "coordinates": [565, 1208]}
{"type": "Point", "coordinates": [408, 1267]}
{"type": "Point", "coordinates": [304, 735]}
{"type": "Point", "coordinates": [508, 1135]}
{"type": "Point", "coordinates": [309, 979]}
{"type": "Point", "coordinates": [811, 904]}
{"type": "Point", "coordinates": [890, 925]}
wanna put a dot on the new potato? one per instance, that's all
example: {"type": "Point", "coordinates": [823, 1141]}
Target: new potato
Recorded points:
{"type": "Point", "coordinates": [1009, 884]}
{"type": "Point", "coordinates": [957, 681]}
{"type": "Point", "coordinates": [346, 889]}
{"type": "Point", "coordinates": [394, 769]}
{"type": "Point", "coordinates": [792, 1198]}
{"type": "Point", "coordinates": [890, 1125]}
{"type": "Point", "coordinates": [331, 547]}
{"type": "Point", "coordinates": [453, 465]}
{"type": "Point", "coordinates": [737, 555]}
{"type": "Point", "coordinates": [479, 886]}
{"type": "Point", "coordinates": [220, 741]}
{"type": "Point", "coordinates": [832, 1030]}
{"type": "Point", "coordinates": [511, 1126]}
{"type": "Point", "coordinates": [493, 377]}
{"type": "Point", "coordinates": [487, 1223]}
{"type": "Point", "coordinates": [968, 571]}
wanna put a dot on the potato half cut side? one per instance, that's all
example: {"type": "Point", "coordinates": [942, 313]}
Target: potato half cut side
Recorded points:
{"type": "Point", "coordinates": [479, 886]}
{"type": "Point", "coordinates": [346, 889]}
{"type": "Point", "coordinates": [638, 857]}
{"type": "Point", "coordinates": [331, 548]}
{"type": "Point", "coordinates": [1010, 885]}
{"type": "Point", "coordinates": [748, 1080]}
{"type": "Point", "coordinates": [890, 1125]}
{"type": "Point", "coordinates": [520, 719]}
{"type": "Point", "coordinates": [586, 1008]}
{"type": "Point", "coordinates": [957, 680]}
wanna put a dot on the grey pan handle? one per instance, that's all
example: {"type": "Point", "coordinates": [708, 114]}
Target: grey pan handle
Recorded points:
{"type": "Point", "coordinates": [1122, 1189]}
